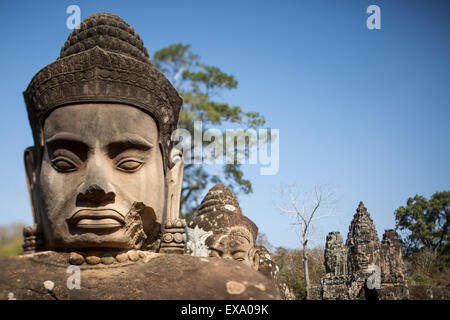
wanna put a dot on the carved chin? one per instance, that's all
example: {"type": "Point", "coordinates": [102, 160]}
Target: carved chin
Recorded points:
{"type": "Point", "coordinates": [108, 229]}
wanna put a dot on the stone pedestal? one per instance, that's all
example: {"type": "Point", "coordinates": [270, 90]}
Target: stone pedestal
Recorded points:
{"type": "Point", "coordinates": [46, 275]}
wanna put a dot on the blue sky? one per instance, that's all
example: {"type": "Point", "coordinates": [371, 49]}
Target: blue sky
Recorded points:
{"type": "Point", "coordinates": [365, 110]}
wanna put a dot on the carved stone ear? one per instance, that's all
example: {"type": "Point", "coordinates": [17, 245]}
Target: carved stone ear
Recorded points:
{"type": "Point", "coordinates": [254, 258]}
{"type": "Point", "coordinates": [32, 235]}
{"type": "Point", "coordinates": [175, 183]}
{"type": "Point", "coordinates": [173, 239]}
{"type": "Point", "coordinates": [29, 157]}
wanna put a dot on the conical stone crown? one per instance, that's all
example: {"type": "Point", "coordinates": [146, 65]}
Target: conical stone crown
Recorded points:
{"type": "Point", "coordinates": [219, 198]}
{"type": "Point", "coordinates": [109, 32]}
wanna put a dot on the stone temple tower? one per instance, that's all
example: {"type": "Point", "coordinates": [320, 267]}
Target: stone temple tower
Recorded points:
{"type": "Point", "coordinates": [362, 243]}
{"type": "Point", "coordinates": [363, 268]}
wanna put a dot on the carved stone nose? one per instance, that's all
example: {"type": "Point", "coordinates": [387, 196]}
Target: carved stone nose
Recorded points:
{"type": "Point", "coordinates": [95, 194]}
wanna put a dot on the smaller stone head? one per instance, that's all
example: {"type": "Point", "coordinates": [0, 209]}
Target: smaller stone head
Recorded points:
{"type": "Point", "coordinates": [221, 230]}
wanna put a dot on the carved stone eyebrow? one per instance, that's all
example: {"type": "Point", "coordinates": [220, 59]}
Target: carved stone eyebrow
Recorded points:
{"type": "Point", "coordinates": [64, 136]}
{"type": "Point", "coordinates": [125, 142]}
{"type": "Point", "coordinates": [216, 249]}
{"type": "Point", "coordinates": [68, 141]}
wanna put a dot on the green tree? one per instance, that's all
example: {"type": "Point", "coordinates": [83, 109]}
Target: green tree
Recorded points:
{"type": "Point", "coordinates": [200, 86]}
{"type": "Point", "coordinates": [424, 223]}
{"type": "Point", "coordinates": [425, 238]}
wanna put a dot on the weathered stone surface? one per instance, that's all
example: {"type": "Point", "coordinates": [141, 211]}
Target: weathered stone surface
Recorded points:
{"type": "Point", "coordinates": [122, 257]}
{"type": "Point", "coordinates": [219, 198]}
{"type": "Point", "coordinates": [315, 292]}
{"type": "Point", "coordinates": [159, 276]}
{"type": "Point", "coordinates": [108, 260]}
{"type": "Point", "coordinates": [334, 287]}
{"type": "Point", "coordinates": [93, 260]}
{"type": "Point", "coordinates": [76, 258]}
{"type": "Point", "coordinates": [391, 262]}
{"type": "Point", "coordinates": [174, 238]}
{"type": "Point", "coordinates": [335, 255]}
{"type": "Point", "coordinates": [133, 255]}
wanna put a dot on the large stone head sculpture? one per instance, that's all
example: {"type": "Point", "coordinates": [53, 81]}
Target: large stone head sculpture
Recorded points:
{"type": "Point", "coordinates": [221, 230]}
{"type": "Point", "coordinates": [102, 172]}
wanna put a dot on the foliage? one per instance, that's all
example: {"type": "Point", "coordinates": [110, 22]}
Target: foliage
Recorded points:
{"type": "Point", "coordinates": [200, 86]}
{"type": "Point", "coordinates": [425, 238]}
{"type": "Point", "coordinates": [11, 240]}
{"type": "Point", "coordinates": [427, 267]}
{"type": "Point", "coordinates": [424, 223]}
{"type": "Point", "coordinates": [290, 262]}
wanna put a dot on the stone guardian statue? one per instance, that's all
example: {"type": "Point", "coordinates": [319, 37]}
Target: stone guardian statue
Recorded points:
{"type": "Point", "coordinates": [105, 182]}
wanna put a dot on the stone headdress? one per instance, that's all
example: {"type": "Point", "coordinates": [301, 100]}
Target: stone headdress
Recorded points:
{"type": "Point", "coordinates": [220, 213]}
{"type": "Point", "coordinates": [104, 61]}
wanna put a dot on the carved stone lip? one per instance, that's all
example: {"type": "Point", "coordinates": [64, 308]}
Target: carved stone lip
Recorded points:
{"type": "Point", "coordinates": [96, 219]}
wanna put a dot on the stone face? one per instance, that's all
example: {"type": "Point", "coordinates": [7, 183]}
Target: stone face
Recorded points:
{"type": "Point", "coordinates": [335, 255]}
{"type": "Point", "coordinates": [161, 276]}
{"type": "Point", "coordinates": [363, 268]}
{"type": "Point", "coordinates": [221, 230]}
{"type": "Point", "coordinates": [334, 283]}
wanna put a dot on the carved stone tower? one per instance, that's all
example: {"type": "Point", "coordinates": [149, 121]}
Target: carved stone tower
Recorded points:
{"type": "Point", "coordinates": [363, 268]}
{"type": "Point", "coordinates": [335, 255]}
{"type": "Point", "coordinates": [362, 243]}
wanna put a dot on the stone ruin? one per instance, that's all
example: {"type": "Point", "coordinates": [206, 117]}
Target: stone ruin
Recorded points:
{"type": "Point", "coordinates": [363, 267]}
{"type": "Point", "coordinates": [367, 268]}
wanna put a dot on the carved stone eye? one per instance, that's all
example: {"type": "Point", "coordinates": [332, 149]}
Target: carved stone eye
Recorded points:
{"type": "Point", "coordinates": [214, 253]}
{"type": "Point", "coordinates": [239, 256]}
{"type": "Point", "coordinates": [64, 165]}
{"type": "Point", "coordinates": [129, 165]}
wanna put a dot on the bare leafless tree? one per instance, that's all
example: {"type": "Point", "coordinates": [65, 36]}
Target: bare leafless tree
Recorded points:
{"type": "Point", "coordinates": [304, 209]}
